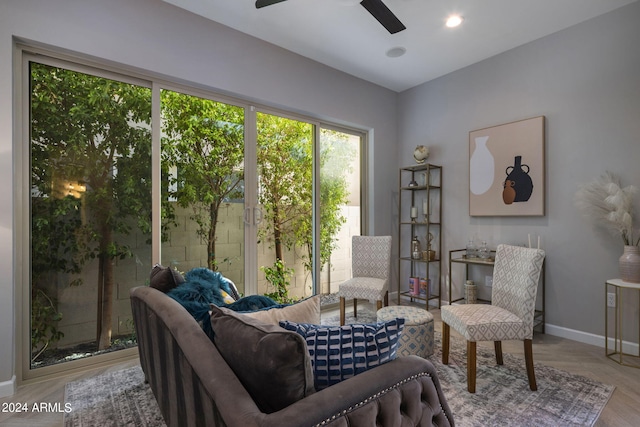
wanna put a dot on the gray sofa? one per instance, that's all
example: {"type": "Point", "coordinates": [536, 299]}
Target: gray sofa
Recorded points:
{"type": "Point", "coordinates": [194, 386]}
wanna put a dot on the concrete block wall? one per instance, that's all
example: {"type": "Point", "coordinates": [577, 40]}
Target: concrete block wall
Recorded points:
{"type": "Point", "coordinates": [185, 250]}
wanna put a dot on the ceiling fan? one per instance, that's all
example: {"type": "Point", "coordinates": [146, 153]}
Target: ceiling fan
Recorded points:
{"type": "Point", "coordinates": [374, 7]}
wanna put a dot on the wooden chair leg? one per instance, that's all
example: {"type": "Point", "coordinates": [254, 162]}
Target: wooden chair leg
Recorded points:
{"type": "Point", "coordinates": [498, 347]}
{"type": "Point", "coordinates": [342, 307]}
{"type": "Point", "coordinates": [386, 299]}
{"type": "Point", "coordinates": [528, 358]}
{"type": "Point", "coordinates": [445, 343]}
{"type": "Point", "coordinates": [471, 366]}
{"type": "Point", "coordinates": [355, 307]}
{"type": "Point", "coordinates": [378, 305]}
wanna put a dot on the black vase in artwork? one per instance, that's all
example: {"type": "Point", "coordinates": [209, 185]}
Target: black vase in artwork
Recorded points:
{"type": "Point", "coordinates": [518, 181]}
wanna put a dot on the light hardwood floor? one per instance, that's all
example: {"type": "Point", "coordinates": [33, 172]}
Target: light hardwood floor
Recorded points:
{"type": "Point", "coordinates": [622, 410]}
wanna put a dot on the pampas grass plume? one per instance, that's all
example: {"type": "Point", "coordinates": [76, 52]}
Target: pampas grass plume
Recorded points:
{"type": "Point", "coordinates": [605, 202]}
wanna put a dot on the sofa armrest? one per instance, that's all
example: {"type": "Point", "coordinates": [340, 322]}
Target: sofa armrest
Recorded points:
{"type": "Point", "coordinates": [191, 381]}
{"type": "Point", "coordinates": [405, 391]}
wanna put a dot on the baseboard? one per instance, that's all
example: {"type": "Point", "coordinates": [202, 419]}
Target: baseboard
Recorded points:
{"type": "Point", "coordinates": [8, 388]}
{"type": "Point", "coordinates": [588, 338]}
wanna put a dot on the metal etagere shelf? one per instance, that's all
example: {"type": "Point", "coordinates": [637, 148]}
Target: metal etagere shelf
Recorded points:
{"type": "Point", "coordinates": [420, 188]}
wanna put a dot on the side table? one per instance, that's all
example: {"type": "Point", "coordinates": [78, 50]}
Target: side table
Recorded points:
{"type": "Point", "coordinates": [617, 353]}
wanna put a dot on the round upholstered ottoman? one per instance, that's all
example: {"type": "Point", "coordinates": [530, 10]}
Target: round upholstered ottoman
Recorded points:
{"type": "Point", "coordinates": [417, 336]}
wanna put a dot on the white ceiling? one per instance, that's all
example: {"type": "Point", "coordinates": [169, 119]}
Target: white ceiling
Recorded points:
{"type": "Point", "coordinates": [343, 35]}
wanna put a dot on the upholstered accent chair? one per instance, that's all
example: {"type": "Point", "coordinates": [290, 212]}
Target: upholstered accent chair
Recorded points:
{"type": "Point", "coordinates": [370, 265]}
{"type": "Point", "coordinates": [509, 316]}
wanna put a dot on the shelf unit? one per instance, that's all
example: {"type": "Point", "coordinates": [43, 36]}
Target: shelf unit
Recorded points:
{"type": "Point", "coordinates": [417, 184]}
{"type": "Point", "coordinates": [457, 256]}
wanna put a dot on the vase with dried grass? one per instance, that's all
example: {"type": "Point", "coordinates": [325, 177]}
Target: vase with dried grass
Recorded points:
{"type": "Point", "coordinates": [607, 203]}
{"type": "Point", "coordinates": [630, 264]}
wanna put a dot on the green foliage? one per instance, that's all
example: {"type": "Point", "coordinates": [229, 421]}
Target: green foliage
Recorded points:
{"type": "Point", "coordinates": [336, 155]}
{"type": "Point", "coordinates": [93, 133]}
{"type": "Point", "coordinates": [279, 276]}
{"type": "Point", "coordinates": [44, 321]}
{"type": "Point", "coordinates": [204, 142]}
{"type": "Point", "coordinates": [285, 162]}
{"type": "Point", "coordinates": [285, 159]}
{"type": "Point", "coordinates": [54, 249]}
{"type": "Point", "coordinates": [53, 245]}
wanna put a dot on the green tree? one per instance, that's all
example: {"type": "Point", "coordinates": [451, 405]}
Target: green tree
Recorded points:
{"type": "Point", "coordinates": [53, 227]}
{"type": "Point", "coordinates": [336, 155]}
{"type": "Point", "coordinates": [93, 133]}
{"type": "Point", "coordinates": [279, 277]}
{"type": "Point", "coordinates": [285, 160]}
{"type": "Point", "coordinates": [204, 142]}
{"type": "Point", "coordinates": [285, 163]}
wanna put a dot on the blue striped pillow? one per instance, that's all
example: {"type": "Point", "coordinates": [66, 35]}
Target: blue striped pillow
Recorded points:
{"type": "Point", "coordinates": [340, 352]}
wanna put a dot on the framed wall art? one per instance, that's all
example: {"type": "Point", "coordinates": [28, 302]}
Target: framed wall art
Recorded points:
{"type": "Point", "coordinates": [507, 169]}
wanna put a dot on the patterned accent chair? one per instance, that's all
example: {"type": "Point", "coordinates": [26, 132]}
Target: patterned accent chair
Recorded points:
{"type": "Point", "coordinates": [509, 316]}
{"type": "Point", "coordinates": [370, 265]}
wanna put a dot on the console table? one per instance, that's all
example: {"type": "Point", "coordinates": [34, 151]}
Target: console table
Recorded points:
{"type": "Point", "coordinates": [617, 354]}
{"type": "Point", "coordinates": [458, 256]}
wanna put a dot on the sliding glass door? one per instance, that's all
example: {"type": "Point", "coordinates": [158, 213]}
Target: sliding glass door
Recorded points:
{"type": "Point", "coordinates": [122, 173]}
{"type": "Point", "coordinates": [203, 148]}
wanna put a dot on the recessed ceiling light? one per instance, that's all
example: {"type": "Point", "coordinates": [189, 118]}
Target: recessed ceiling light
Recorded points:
{"type": "Point", "coordinates": [397, 51]}
{"type": "Point", "coordinates": [454, 20]}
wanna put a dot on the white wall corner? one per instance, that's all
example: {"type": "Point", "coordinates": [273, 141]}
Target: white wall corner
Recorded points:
{"type": "Point", "coordinates": [8, 388]}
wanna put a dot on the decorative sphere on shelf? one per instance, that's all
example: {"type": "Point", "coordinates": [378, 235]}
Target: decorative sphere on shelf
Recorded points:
{"type": "Point", "coordinates": [420, 154]}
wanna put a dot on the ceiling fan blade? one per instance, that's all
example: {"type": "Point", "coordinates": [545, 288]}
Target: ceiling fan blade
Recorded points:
{"type": "Point", "coordinates": [263, 3]}
{"type": "Point", "coordinates": [383, 14]}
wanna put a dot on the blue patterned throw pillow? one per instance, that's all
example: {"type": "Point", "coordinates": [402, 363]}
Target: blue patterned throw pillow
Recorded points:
{"type": "Point", "coordinates": [340, 352]}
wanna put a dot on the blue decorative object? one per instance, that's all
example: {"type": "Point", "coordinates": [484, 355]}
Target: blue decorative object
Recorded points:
{"type": "Point", "coordinates": [202, 288]}
{"type": "Point", "coordinates": [252, 303]}
{"type": "Point", "coordinates": [201, 285]}
{"type": "Point", "coordinates": [341, 352]}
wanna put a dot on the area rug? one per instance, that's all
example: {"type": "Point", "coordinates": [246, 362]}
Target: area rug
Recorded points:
{"type": "Point", "coordinates": [502, 397]}
{"type": "Point", "coordinates": [114, 399]}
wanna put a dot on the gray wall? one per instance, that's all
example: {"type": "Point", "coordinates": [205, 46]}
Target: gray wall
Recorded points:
{"type": "Point", "coordinates": [153, 35]}
{"type": "Point", "coordinates": [586, 81]}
